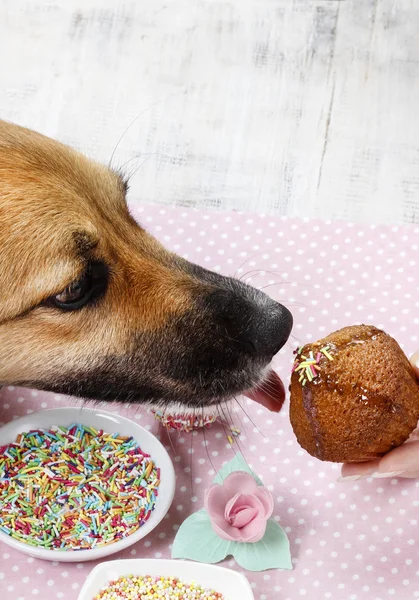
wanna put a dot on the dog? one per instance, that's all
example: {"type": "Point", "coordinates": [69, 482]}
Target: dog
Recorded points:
{"type": "Point", "coordinates": [91, 305]}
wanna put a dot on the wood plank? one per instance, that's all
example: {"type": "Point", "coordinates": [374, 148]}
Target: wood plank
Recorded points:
{"type": "Point", "coordinates": [294, 107]}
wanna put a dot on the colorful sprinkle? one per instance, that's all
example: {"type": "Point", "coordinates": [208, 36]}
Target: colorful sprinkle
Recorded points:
{"type": "Point", "coordinates": [133, 587]}
{"type": "Point", "coordinates": [75, 488]}
{"type": "Point", "coordinates": [184, 422]}
{"type": "Point", "coordinates": [190, 422]}
{"type": "Point", "coordinates": [308, 366]}
{"type": "Point", "coordinates": [326, 353]}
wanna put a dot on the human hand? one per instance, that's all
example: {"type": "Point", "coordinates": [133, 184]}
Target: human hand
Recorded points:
{"type": "Point", "coordinates": [400, 462]}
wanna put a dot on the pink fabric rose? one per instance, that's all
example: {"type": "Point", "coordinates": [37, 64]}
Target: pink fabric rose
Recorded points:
{"type": "Point", "coordinates": [239, 508]}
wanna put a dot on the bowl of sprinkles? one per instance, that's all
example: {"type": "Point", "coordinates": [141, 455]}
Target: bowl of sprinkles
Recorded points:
{"type": "Point", "coordinates": [135, 579]}
{"type": "Point", "coordinates": [80, 484]}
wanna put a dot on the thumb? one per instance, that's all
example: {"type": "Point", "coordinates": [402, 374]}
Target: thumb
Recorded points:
{"type": "Point", "coordinates": [400, 461]}
{"type": "Point", "coordinates": [404, 460]}
{"type": "Point", "coordinates": [414, 361]}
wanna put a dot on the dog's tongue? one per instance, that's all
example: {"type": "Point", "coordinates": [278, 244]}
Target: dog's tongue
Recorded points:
{"type": "Point", "coordinates": [271, 393]}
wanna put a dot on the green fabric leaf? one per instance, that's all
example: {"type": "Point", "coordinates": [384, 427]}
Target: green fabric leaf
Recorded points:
{"type": "Point", "coordinates": [272, 552]}
{"type": "Point", "coordinates": [196, 540]}
{"type": "Point", "coordinates": [238, 463]}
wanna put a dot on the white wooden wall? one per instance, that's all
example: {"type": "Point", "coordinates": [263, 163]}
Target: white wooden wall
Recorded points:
{"type": "Point", "coordinates": [295, 107]}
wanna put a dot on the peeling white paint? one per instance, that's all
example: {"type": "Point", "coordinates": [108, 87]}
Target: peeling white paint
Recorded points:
{"type": "Point", "coordinates": [294, 107]}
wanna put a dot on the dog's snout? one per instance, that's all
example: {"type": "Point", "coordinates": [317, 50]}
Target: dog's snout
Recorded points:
{"type": "Point", "coordinates": [274, 328]}
{"type": "Point", "coordinates": [258, 324]}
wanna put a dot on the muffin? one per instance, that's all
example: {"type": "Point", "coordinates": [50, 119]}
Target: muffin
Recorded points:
{"type": "Point", "coordinates": [354, 395]}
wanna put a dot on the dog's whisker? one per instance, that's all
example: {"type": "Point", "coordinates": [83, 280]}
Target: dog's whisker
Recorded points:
{"type": "Point", "coordinates": [254, 272]}
{"type": "Point", "coordinates": [292, 303]}
{"type": "Point", "coordinates": [139, 167]}
{"type": "Point", "coordinates": [268, 387]}
{"type": "Point", "coordinates": [224, 421]}
{"type": "Point", "coordinates": [249, 258]}
{"type": "Point", "coordinates": [257, 272]}
{"type": "Point", "coordinates": [242, 424]}
{"type": "Point", "coordinates": [168, 431]}
{"type": "Point", "coordinates": [170, 440]}
{"type": "Point", "coordinates": [251, 420]}
{"type": "Point", "coordinates": [143, 112]}
{"type": "Point", "coordinates": [240, 448]}
{"type": "Point", "coordinates": [237, 440]}
{"type": "Point", "coordinates": [269, 391]}
{"type": "Point", "coordinates": [137, 408]}
{"type": "Point", "coordinates": [266, 384]}
{"type": "Point", "coordinates": [269, 285]}
{"type": "Point", "coordinates": [231, 420]}
{"type": "Point", "coordinates": [130, 160]}
{"type": "Point", "coordinates": [206, 446]}
{"type": "Point", "coordinates": [190, 462]}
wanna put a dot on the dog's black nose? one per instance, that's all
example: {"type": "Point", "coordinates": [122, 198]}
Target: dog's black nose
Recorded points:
{"type": "Point", "coordinates": [270, 330]}
{"type": "Point", "coordinates": [259, 324]}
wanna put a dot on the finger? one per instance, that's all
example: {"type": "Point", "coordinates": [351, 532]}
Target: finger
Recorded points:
{"type": "Point", "coordinates": [354, 471]}
{"type": "Point", "coordinates": [401, 462]}
{"type": "Point", "coordinates": [414, 360]}
{"type": "Point", "coordinates": [413, 436]}
{"type": "Point", "coordinates": [404, 459]}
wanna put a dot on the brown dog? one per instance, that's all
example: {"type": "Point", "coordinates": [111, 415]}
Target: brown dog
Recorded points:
{"type": "Point", "coordinates": [93, 306]}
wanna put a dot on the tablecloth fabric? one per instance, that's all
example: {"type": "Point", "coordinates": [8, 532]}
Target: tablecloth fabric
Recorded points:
{"type": "Point", "coordinates": [352, 540]}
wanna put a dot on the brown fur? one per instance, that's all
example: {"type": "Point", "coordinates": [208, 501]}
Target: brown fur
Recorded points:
{"type": "Point", "coordinates": [51, 194]}
{"type": "Point", "coordinates": [59, 211]}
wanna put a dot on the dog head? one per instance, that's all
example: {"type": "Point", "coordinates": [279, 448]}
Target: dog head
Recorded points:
{"type": "Point", "coordinates": [92, 305]}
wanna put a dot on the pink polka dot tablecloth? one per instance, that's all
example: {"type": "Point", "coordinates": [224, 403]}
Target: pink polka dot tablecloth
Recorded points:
{"type": "Point", "coordinates": [350, 540]}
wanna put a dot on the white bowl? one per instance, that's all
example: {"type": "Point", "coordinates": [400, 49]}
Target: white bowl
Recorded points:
{"type": "Point", "coordinates": [232, 585]}
{"type": "Point", "coordinates": [110, 423]}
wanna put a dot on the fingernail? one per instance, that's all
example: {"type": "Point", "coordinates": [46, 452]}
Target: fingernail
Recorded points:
{"type": "Point", "coordinates": [415, 359]}
{"type": "Point", "coordinates": [349, 478]}
{"type": "Point", "coordinates": [378, 475]}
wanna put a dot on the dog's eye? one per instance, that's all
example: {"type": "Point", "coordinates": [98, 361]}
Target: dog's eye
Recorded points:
{"type": "Point", "coordinates": [76, 291]}
{"type": "Point", "coordinates": [87, 288]}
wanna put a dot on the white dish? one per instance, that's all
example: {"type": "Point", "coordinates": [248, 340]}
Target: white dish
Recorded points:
{"type": "Point", "coordinates": [232, 585]}
{"type": "Point", "coordinates": [111, 423]}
